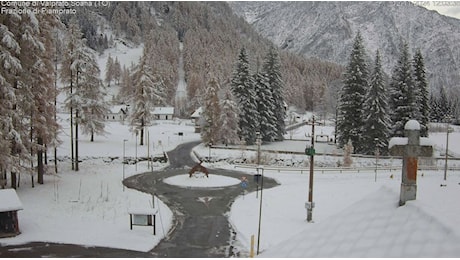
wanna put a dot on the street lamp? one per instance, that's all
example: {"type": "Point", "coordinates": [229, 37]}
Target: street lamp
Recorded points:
{"type": "Point", "coordinates": [209, 157]}
{"type": "Point", "coordinates": [258, 141]}
{"type": "Point", "coordinates": [311, 152]}
{"type": "Point", "coordinates": [124, 159]}
{"type": "Point", "coordinates": [447, 147]}
{"type": "Point", "coordinates": [377, 153]}
{"type": "Point", "coordinates": [259, 167]}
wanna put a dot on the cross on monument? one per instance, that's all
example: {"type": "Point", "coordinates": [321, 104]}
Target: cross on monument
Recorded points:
{"type": "Point", "coordinates": [410, 148]}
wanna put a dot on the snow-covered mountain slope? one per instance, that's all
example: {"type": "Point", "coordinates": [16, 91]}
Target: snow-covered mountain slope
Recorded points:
{"type": "Point", "coordinates": [326, 30]}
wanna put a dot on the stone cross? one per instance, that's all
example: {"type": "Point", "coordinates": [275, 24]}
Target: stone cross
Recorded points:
{"type": "Point", "coordinates": [410, 148]}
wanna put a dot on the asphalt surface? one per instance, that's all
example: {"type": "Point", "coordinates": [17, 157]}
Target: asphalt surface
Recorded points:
{"type": "Point", "coordinates": [200, 226]}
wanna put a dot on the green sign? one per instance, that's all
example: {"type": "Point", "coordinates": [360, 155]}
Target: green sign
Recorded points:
{"type": "Point", "coordinates": [310, 151]}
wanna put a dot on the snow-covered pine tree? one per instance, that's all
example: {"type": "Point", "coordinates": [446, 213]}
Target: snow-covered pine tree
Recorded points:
{"type": "Point", "coordinates": [109, 70]}
{"type": "Point", "coordinates": [376, 130]}
{"type": "Point", "coordinates": [272, 70]}
{"type": "Point", "coordinates": [91, 91]}
{"type": "Point", "coordinates": [117, 71]}
{"type": "Point", "coordinates": [402, 97]}
{"type": "Point", "coordinates": [69, 76]}
{"type": "Point", "coordinates": [211, 112]}
{"type": "Point", "coordinates": [266, 108]}
{"type": "Point", "coordinates": [228, 119]}
{"type": "Point", "coordinates": [242, 86]}
{"type": "Point", "coordinates": [38, 77]}
{"type": "Point", "coordinates": [147, 91]}
{"type": "Point", "coordinates": [350, 118]}
{"type": "Point", "coordinates": [125, 85]}
{"type": "Point", "coordinates": [11, 146]}
{"type": "Point", "coordinates": [422, 93]}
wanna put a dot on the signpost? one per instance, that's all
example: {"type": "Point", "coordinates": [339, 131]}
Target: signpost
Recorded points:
{"type": "Point", "coordinates": [143, 217]}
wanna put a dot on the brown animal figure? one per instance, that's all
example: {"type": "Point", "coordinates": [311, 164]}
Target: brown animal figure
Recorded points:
{"type": "Point", "coordinates": [198, 168]}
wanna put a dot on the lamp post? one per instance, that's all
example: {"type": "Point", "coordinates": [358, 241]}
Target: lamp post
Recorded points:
{"type": "Point", "coordinates": [311, 152]}
{"type": "Point", "coordinates": [377, 153]}
{"type": "Point", "coordinates": [258, 141]}
{"type": "Point", "coordinates": [124, 159]}
{"type": "Point", "coordinates": [135, 153]}
{"type": "Point", "coordinates": [447, 148]}
{"type": "Point", "coordinates": [209, 156]}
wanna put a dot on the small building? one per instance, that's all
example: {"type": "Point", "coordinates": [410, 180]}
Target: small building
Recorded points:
{"type": "Point", "coordinates": [117, 113]}
{"type": "Point", "coordinates": [163, 113]}
{"type": "Point", "coordinates": [197, 118]}
{"type": "Point", "coordinates": [9, 207]}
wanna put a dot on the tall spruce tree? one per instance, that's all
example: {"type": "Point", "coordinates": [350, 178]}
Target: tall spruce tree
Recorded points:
{"type": "Point", "coordinates": [148, 91]}
{"type": "Point", "coordinates": [376, 130]}
{"type": "Point", "coordinates": [91, 93]}
{"type": "Point", "coordinates": [228, 133]}
{"type": "Point", "coordinates": [211, 112]}
{"type": "Point", "coordinates": [11, 145]}
{"type": "Point", "coordinates": [350, 119]}
{"type": "Point", "coordinates": [266, 108]}
{"type": "Point", "coordinates": [402, 96]}
{"type": "Point", "coordinates": [422, 94]}
{"type": "Point", "coordinates": [242, 86]}
{"type": "Point", "coordinates": [272, 71]}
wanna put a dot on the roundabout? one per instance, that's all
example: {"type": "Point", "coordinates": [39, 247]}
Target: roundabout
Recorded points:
{"type": "Point", "coordinates": [200, 205]}
{"type": "Point", "coordinates": [200, 180]}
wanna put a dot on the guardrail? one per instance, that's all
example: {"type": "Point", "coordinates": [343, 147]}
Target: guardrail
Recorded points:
{"type": "Point", "coordinates": [343, 169]}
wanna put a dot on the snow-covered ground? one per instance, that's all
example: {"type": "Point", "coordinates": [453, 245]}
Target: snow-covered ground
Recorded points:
{"type": "Point", "coordinates": [90, 207]}
{"type": "Point", "coordinates": [356, 213]}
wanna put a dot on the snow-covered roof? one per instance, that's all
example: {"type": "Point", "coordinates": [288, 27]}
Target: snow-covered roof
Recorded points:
{"type": "Point", "coordinates": [143, 211]}
{"type": "Point", "coordinates": [197, 113]}
{"type": "Point", "coordinates": [9, 200]}
{"type": "Point", "coordinates": [117, 109]}
{"type": "Point", "coordinates": [163, 110]}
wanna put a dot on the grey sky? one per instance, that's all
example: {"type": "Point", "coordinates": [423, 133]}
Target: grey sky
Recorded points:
{"type": "Point", "coordinates": [448, 8]}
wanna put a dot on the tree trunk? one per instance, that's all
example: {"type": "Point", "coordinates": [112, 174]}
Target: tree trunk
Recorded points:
{"type": "Point", "coordinates": [45, 155]}
{"type": "Point", "coordinates": [76, 141]}
{"type": "Point", "coordinates": [40, 168]}
{"type": "Point", "coordinates": [141, 141]}
{"type": "Point", "coordinates": [13, 180]}
{"type": "Point", "coordinates": [92, 136]}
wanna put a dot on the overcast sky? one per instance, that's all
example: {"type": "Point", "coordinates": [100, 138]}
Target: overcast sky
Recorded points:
{"type": "Point", "coordinates": [448, 8]}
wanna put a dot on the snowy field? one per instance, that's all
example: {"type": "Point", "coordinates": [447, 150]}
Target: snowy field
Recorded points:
{"type": "Point", "coordinates": [355, 216]}
{"type": "Point", "coordinates": [356, 213]}
{"type": "Point", "coordinates": [90, 207]}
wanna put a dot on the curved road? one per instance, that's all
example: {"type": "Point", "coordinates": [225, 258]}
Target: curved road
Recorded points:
{"type": "Point", "coordinates": [200, 227]}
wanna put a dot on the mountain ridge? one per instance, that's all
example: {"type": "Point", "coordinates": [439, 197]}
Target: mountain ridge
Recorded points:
{"type": "Point", "coordinates": [326, 30]}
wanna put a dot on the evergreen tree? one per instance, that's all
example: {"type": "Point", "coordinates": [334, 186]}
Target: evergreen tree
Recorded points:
{"type": "Point", "coordinates": [402, 96]}
{"type": "Point", "coordinates": [422, 94]}
{"type": "Point", "coordinates": [266, 108]}
{"type": "Point", "coordinates": [228, 119]}
{"type": "Point", "coordinates": [376, 130]}
{"type": "Point", "coordinates": [211, 112]}
{"type": "Point", "coordinates": [242, 86]}
{"type": "Point", "coordinates": [117, 71]}
{"type": "Point", "coordinates": [272, 71]}
{"type": "Point", "coordinates": [68, 75]}
{"type": "Point", "coordinates": [109, 70]}
{"type": "Point", "coordinates": [148, 91]}
{"type": "Point", "coordinates": [11, 146]}
{"type": "Point", "coordinates": [91, 93]}
{"type": "Point", "coordinates": [350, 117]}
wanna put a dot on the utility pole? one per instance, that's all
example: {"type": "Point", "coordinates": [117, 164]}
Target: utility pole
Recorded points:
{"type": "Point", "coordinates": [311, 152]}
{"type": "Point", "coordinates": [447, 150]}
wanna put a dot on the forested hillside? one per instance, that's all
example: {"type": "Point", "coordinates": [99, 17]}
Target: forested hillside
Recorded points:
{"type": "Point", "coordinates": [212, 36]}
